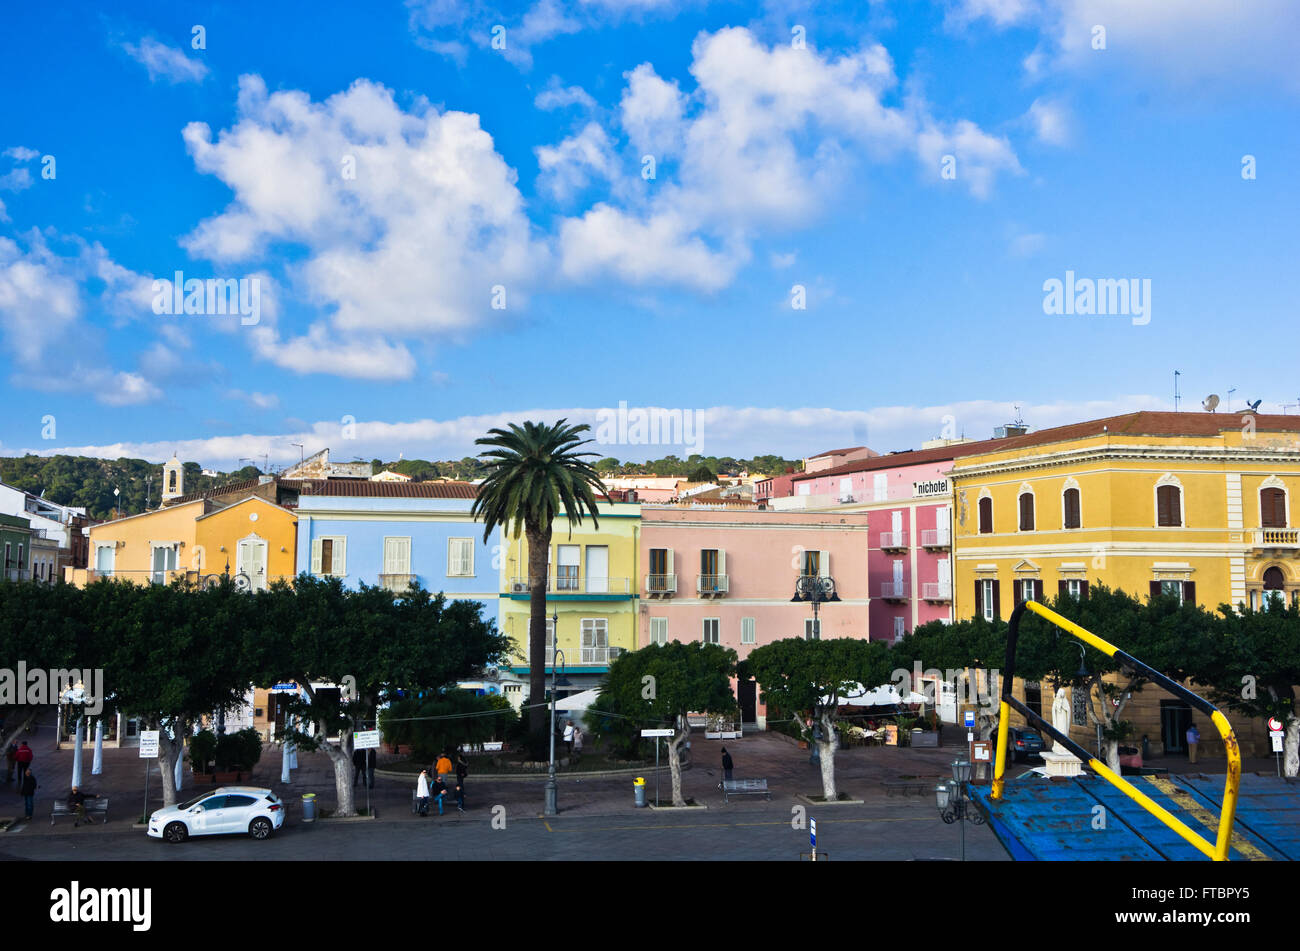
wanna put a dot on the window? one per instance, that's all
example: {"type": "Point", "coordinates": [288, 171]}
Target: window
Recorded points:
{"type": "Point", "coordinates": [661, 570]}
{"type": "Point", "coordinates": [568, 559]}
{"type": "Point", "coordinates": [812, 630]}
{"type": "Point", "coordinates": [1074, 587]}
{"type": "Point", "coordinates": [1272, 508]}
{"type": "Point", "coordinates": [1169, 505]}
{"type": "Point", "coordinates": [986, 516]}
{"type": "Point", "coordinates": [329, 555]}
{"type": "Point", "coordinates": [164, 559]}
{"type": "Point", "coordinates": [846, 489]}
{"type": "Point", "coordinates": [1174, 588]}
{"type": "Point", "coordinates": [8, 554]}
{"type": "Point", "coordinates": [595, 641]}
{"type": "Point", "coordinates": [747, 630]}
{"type": "Point", "coordinates": [659, 630]}
{"type": "Point", "coordinates": [1070, 501]}
{"type": "Point", "coordinates": [709, 562]}
{"type": "Point", "coordinates": [460, 558]}
{"type": "Point", "coordinates": [104, 557]}
{"type": "Point", "coordinates": [816, 563]}
{"type": "Point", "coordinates": [880, 486]}
{"type": "Point", "coordinates": [1273, 583]}
{"type": "Point", "coordinates": [1028, 590]}
{"type": "Point", "coordinates": [899, 628]}
{"type": "Point", "coordinates": [986, 599]}
{"type": "Point", "coordinates": [21, 564]}
{"type": "Point", "coordinates": [710, 634]}
{"type": "Point", "coordinates": [1184, 591]}
{"type": "Point", "coordinates": [1026, 511]}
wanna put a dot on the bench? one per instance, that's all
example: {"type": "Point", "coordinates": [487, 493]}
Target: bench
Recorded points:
{"type": "Point", "coordinates": [744, 787]}
{"type": "Point", "coordinates": [94, 807]}
{"type": "Point", "coordinates": [918, 787]}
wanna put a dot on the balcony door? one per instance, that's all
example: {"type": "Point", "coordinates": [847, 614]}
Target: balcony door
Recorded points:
{"type": "Point", "coordinates": [250, 559]}
{"type": "Point", "coordinates": [567, 568]}
{"type": "Point", "coordinates": [597, 569]}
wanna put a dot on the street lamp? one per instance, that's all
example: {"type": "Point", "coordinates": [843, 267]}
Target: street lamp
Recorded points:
{"type": "Point", "coordinates": [954, 805]}
{"type": "Point", "coordinates": [75, 696]}
{"type": "Point", "coordinates": [550, 808]}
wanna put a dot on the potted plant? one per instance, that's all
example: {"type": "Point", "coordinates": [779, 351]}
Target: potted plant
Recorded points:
{"type": "Point", "coordinates": [203, 747]}
{"type": "Point", "coordinates": [236, 754]}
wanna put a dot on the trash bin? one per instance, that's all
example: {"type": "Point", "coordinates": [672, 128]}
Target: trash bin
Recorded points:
{"type": "Point", "coordinates": [309, 807]}
{"type": "Point", "coordinates": [638, 787]}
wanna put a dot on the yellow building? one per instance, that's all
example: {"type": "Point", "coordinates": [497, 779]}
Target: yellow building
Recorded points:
{"type": "Point", "coordinates": [150, 547]}
{"type": "Point", "coordinates": [253, 538]}
{"type": "Point", "coordinates": [1191, 504]}
{"type": "Point", "coordinates": [591, 589]}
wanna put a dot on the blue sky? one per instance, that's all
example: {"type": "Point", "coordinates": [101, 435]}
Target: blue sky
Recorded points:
{"type": "Point", "coordinates": [384, 172]}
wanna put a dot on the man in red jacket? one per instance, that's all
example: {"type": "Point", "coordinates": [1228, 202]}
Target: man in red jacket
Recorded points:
{"type": "Point", "coordinates": [23, 758]}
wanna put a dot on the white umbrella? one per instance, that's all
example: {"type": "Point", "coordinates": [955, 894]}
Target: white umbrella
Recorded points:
{"type": "Point", "coordinates": [180, 757]}
{"type": "Point", "coordinates": [576, 702]}
{"type": "Point", "coordinates": [97, 766]}
{"type": "Point", "coordinates": [76, 753]}
{"type": "Point", "coordinates": [284, 762]}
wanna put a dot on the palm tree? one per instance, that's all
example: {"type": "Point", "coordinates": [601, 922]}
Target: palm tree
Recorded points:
{"type": "Point", "coordinates": [533, 476]}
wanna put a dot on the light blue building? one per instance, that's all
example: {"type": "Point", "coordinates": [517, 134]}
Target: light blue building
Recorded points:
{"type": "Point", "coordinates": [391, 533]}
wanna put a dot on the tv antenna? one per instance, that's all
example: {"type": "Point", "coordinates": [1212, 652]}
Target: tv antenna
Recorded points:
{"type": "Point", "coordinates": [1177, 374]}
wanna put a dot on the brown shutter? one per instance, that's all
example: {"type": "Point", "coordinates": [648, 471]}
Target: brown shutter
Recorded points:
{"type": "Point", "coordinates": [979, 598]}
{"type": "Point", "coordinates": [1083, 589]}
{"type": "Point", "coordinates": [1162, 505]}
{"type": "Point", "coordinates": [1062, 589]}
{"type": "Point", "coordinates": [1038, 590]}
{"type": "Point", "coordinates": [1189, 592]}
{"type": "Point", "coordinates": [997, 610]}
{"type": "Point", "coordinates": [1155, 590]}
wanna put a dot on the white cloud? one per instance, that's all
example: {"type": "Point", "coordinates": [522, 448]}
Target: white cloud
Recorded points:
{"type": "Point", "coordinates": [256, 400]}
{"type": "Point", "coordinates": [558, 96]}
{"type": "Point", "coordinates": [1026, 245]}
{"type": "Point", "coordinates": [166, 62]}
{"type": "Point", "coordinates": [578, 160]}
{"type": "Point", "coordinates": [20, 153]}
{"type": "Point", "coordinates": [413, 243]}
{"type": "Point", "coordinates": [651, 113]}
{"type": "Point", "coordinates": [125, 389]}
{"type": "Point", "coordinates": [1001, 12]}
{"type": "Point", "coordinates": [1050, 121]}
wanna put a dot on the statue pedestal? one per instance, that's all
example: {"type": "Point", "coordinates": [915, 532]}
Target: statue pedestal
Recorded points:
{"type": "Point", "coordinates": [1063, 763]}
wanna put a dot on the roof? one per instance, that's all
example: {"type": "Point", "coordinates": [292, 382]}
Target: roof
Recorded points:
{"type": "Point", "coordinates": [838, 452]}
{"type": "Point", "coordinates": [1142, 423]}
{"type": "Point", "coordinates": [235, 505]}
{"type": "Point", "coordinates": [387, 490]}
{"type": "Point", "coordinates": [226, 489]}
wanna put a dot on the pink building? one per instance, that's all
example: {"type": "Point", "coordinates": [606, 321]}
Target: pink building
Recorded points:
{"type": "Point", "coordinates": [728, 577]}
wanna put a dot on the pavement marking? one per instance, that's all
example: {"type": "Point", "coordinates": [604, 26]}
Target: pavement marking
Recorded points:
{"type": "Point", "coordinates": [548, 826]}
{"type": "Point", "coordinates": [1206, 818]}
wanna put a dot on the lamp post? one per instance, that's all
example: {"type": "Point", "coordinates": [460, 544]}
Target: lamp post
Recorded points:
{"type": "Point", "coordinates": [815, 589]}
{"type": "Point", "coordinates": [76, 697]}
{"type": "Point", "coordinates": [954, 804]}
{"type": "Point", "coordinates": [550, 808]}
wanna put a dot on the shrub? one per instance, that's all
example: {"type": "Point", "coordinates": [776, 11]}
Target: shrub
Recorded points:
{"type": "Point", "coordinates": [203, 747]}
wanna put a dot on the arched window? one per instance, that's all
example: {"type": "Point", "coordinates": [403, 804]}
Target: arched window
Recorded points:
{"type": "Point", "coordinates": [1272, 509]}
{"type": "Point", "coordinates": [1169, 505]}
{"type": "Point", "coordinates": [1273, 588]}
{"type": "Point", "coordinates": [1026, 511]}
{"type": "Point", "coordinates": [986, 516]}
{"type": "Point", "coordinates": [1070, 502]}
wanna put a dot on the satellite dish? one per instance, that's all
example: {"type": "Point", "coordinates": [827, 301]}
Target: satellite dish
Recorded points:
{"type": "Point", "coordinates": [1253, 407]}
{"type": "Point", "coordinates": [1210, 402]}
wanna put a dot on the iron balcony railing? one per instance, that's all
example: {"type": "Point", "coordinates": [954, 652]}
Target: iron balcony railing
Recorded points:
{"type": "Point", "coordinates": [893, 589]}
{"type": "Point", "coordinates": [661, 584]}
{"type": "Point", "coordinates": [934, 591]}
{"type": "Point", "coordinates": [936, 538]}
{"type": "Point", "coordinates": [711, 584]}
{"type": "Point", "coordinates": [576, 584]}
{"type": "Point", "coordinates": [893, 539]}
{"type": "Point", "coordinates": [396, 583]}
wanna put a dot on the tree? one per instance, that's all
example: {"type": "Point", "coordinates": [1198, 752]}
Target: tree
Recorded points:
{"type": "Point", "coordinates": [663, 683]}
{"type": "Point", "coordinates": [369, 642]}
{"type": "Point", "coordinates": [532, 477]}
{"type": "Point", "coordinates": [701, 474]}
{"type": "Point", "coordinates": [808, 678]}
{"type": "Point", "coordinates": [974, 648]}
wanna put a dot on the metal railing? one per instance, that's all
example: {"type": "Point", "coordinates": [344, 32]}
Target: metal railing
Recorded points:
{"type": "Point", "coordinates": [935, 591]}
{"type": "Point", "coordinates": [936, 538]}
{"type": "Point", "coordinates": [893, 589]}
{"type": "Point", "coordinates": [1219, 849]}
{"type": "Point", "coordinates": [576, 584]}
{"type": "Point", "coordinates": [711, 584]}
{"type": "Point", "coordinates": [893, 539]}
{"type": "Point", "coordinates": [585, 656]}
{"type": "Point", "coordinates": [661, 584]}
{"type": "Point", "coordinates": [396, 583]}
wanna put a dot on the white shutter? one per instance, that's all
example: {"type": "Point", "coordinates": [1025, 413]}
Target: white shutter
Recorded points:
{"type": "Point", "coordinates": [747, 630]}
{"type": "Point", "coordinates": [659, 630]}
{"type": "Point", "coordinates": [340, 567]}
{"type": "Point", "coordinates": [722, 562]}
{"type": "Point", "coordinates": [315, 556]}
{"type": "Point", "coordinates": [880, 486]}
{"type": "Point", "coordinates": [824, 564]}
{"type": "Point", "coordinates": [669, 569]}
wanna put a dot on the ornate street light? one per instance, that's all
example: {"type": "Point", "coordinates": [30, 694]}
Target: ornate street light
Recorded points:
{"type": "Point", "coordinates": [816, 590]}
{"type": "Point", "coordinates": [954, 805]}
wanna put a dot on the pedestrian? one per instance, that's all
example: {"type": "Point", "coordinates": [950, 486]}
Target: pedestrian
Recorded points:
{"type": "Point", "coordinates": [28, 789]}
{"type": "Point", "coordinates": [23, 756]}
{"type": "Point", "coordinates": [77, 803]}
{"type": "Point", "coordinates": [443, 766]}
{"type": "Point", "coordinates": [1193, 738]}
{"type": "Point", "coordinates": [462, 770]}
{"type": "Point", "coordinates": [568, 737]}
{"type": "Point", "coordinates": [577, 743]}
{"type": "Point", "coordinates": [422, 793]}
{"type": "Point", "coordinates": [439, 792]}
{"type": "Point", "coordinates": [10, 762]}
{"type": "Point", "coordinates": [358, 766]}
{"type": "Point", "coordinates": [727, 764]}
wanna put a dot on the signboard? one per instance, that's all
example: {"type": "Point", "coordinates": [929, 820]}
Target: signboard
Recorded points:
{"type": "Point", "coordinates": [1277, 742]}
{"type": "Point", "coordinates": [970, 719]}
{"type": "Point", "coordinates": [284, 688]}
{"type": "Point", "coordinates": [891, 734]}
{"type": "Point", "coordinates": [983, 751]}
{"type": "Point", "coordinates": [812, 831]}
{"type": "Point", "coordinates": [365, 740]}
{"type": "Point", "coordinates": [148, 744]}
{"type": "Point", "coordinates": [658, 732]}
{"type": "Point", "coordinates": [494, 747]}
{"type": "Point", "coordinates": [1274, 725]}
{"type": "Point", "coordinates": [921, 490]}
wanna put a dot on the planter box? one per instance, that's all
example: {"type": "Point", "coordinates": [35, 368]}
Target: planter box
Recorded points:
{"type": "Point", "coordinates": [228, 777]}
{"type": "Point", "coordinates": [203, 779]}
{"type": "Point", "coordinates": [930, 740]}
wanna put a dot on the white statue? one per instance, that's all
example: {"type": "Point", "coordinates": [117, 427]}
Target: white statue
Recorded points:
{"type": "Point", "coordinates": [1061, 712]}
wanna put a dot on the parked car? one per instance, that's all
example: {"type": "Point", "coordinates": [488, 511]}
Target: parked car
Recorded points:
{"type": "Point", "coordinates": [227, 810]}
{"type": "Point", "coordinates": [1024, 743]}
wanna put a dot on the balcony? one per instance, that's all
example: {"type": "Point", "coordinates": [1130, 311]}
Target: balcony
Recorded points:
{"type": "Point", "coordinates": [396, 583]}
{"type": "Point", "coordinates": [1285, 538]}
{"type": "Point", "coordinates": [934, 591]}
{"type": "Point", "coordinates": [936, 538]}
{"type": "Point", "coordinates": [583, 656]}
{"type": "Point", "coordinates": [894, 590]}
{"type": "Point", "coordinates": [890, 541]}
{"type": "Point", "coordinates": [711, 586]}
{"type": "Point", "coordinates": [661, 586]}
{"type": "Point", "coordinates": [576, 586]}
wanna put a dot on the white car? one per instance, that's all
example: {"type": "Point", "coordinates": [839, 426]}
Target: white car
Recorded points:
{"type": "Point", "coordinates": [230, 809]}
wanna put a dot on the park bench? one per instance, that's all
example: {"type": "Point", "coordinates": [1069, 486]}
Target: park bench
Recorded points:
{"type": "Point", "coordinates": [94, 807]}
{"type": "Point", "coordinates": [744, 787]}
{"type": "Point", "coordinates": [905, 787]}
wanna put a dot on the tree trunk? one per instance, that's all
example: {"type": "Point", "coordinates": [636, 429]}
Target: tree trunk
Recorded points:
{"type": "Point", "coordinates": [826, 747]}
{"type": "Point", "coordinates": [1291, 746]}
{"type": "Point", "coordinates": [539, 543]}
{"type": "Point", "coordinates": [169, 751]}
{"type": "Point", "coordinates": [341, 757]}
{"type": "Point", "coordinates": [674, 758]}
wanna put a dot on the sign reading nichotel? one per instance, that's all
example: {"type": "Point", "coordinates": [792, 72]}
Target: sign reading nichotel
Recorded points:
{"type": "Point", "coordinates": [921, 490]}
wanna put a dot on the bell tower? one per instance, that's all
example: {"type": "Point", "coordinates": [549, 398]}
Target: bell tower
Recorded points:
{"type": "Point", "coordinates": [173, 480]}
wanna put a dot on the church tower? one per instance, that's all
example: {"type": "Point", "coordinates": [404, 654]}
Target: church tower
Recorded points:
{"type": "Point", "coordinates": [173, 480]}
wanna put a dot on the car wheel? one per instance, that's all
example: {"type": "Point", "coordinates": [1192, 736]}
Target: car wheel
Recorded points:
{"type": "Point", "coordinates": [260, 828]}
{"type": "Point", "coordinates": [176, 833]}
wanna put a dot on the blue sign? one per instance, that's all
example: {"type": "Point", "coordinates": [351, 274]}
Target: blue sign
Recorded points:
{"type": "Point", "coordinates": [812, 831]}
{"type": "Point", "coordinates": [970, 718]}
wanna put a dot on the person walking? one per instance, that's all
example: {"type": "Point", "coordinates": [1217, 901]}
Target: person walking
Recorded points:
{"type": "Point", "coordinates": [568, 738]}
{"type": "Point", "coordinates": [1193, 738]}
{"type": "Point", "coordinates": [443, 766]}
{"type": "Point", "coordinates": [23, 756]}
{"type": "Point", "coordinates": [28, 790]}
{"type": "Point", "coordinates": [577, 743]}
{"type": "Point", "coordinates": [422, 793]}
{"type": "Point", "coordinates": [727, 764]}
{"type": "Point", "coordinates": [358, 766]}
{"type": "Point", "coordinates": [10, 762]}
{"type": "Point", "coordinates": [462, 770]}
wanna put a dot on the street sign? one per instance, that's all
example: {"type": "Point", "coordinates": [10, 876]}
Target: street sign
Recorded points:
{"type": "Point", "coordinates": [1277, 742]}
{"type": "Point", "coordinates": [658, 732]}
{"type": "Point", "coordinates": [284, 688]}
{"type": "Point", "coordinates": [970, 719]}
{"type": "Point", "coordinates": [493, 747]}
{"type": "Point", "coordinates": [365, 740]}
{"type": "Point", "coordinates": [812, 831]}
{"type": "Point", "coordinates": [1274, 724]}
{"type": "Point", "coordinates": [983, 751]}
{"type": "Point", "coordinates": [148, 744]}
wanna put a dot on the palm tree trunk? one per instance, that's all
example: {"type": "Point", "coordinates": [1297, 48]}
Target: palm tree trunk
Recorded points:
{"type": "Point", "coordinates": [539, 543]}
